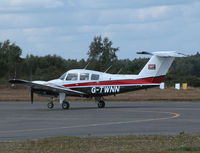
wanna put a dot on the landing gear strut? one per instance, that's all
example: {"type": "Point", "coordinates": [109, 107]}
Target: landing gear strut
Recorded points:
{"type": "Point", "coordinates": [65, 105]}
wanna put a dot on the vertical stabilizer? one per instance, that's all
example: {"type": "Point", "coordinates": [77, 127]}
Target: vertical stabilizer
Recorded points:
{"type": "Point", "coordinates": [158, 65]}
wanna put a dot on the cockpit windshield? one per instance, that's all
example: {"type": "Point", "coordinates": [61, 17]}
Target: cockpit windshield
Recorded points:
{"type": "Point", "coordinates": [62, 77]}
{"type": "Point", "coordinates": [72, 76]}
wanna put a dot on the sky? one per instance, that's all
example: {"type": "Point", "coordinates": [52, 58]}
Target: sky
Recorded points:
{"type": "Point", "coordinates": [67, 27]}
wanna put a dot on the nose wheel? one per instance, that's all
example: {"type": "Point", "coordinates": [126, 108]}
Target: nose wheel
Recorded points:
{"type": "Point", "coordinates": [101, 104]}
{"type": "Point", "coordinates": [50, 105]}
{"type": "Point", "coordinates": [65, 105]}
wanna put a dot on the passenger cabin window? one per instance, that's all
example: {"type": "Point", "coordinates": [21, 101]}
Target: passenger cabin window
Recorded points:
{"type": "Point", "coordinates": [84, 76]}
{"type": "Point", "coordinates": [95, 77]}
{"type": "Point", "coordinates": [72, 76]}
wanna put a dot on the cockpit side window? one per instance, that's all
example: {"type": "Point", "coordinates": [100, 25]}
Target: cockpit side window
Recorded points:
{"type": "Point", "coordinates": [95, 77]}
{"type": "Point", "coordinates": [84, 76]}
{"type": "Point", "coordinates": [62, 77]}
{"type": "Point", "coordinates": [72, 77]}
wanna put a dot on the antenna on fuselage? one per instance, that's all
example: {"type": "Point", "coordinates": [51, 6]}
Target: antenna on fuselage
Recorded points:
{"type": "Point", "coordinates": [108, 69]}
{"type": "Point", "coordinates": [86, 65]}
{"type": "Point", "coordinates": [119, 71]}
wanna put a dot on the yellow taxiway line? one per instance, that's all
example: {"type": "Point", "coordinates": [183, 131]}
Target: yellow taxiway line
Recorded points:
{"type": "Point", "coordinates": [172, 116]}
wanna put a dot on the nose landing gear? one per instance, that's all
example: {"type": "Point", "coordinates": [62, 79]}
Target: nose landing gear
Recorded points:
{"type": "Point", "coordinates": [65, 105]}
{"type": "Point", "coordinates": [50, 105]}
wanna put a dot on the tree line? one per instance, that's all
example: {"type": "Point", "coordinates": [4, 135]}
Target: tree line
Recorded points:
{"type": "Point", "coordinates": [101, 57]}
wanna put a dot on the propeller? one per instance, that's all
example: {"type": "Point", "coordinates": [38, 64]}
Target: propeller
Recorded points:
{"type": "Point", "coordinates": [32, 95]}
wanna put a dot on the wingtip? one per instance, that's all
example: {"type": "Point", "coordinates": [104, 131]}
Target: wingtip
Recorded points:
{"type": "Point", "coordinates": [17, 81]}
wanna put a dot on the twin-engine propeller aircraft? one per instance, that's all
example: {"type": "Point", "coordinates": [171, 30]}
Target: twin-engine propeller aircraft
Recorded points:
{"type": "Point", "coordinates": [88, 83]}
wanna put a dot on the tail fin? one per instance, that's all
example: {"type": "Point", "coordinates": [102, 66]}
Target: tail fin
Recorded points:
{"type": "Point", "coordinates": [159, 64]}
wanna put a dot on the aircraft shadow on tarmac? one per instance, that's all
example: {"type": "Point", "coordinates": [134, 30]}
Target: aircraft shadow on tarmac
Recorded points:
{"type": "Point", "coordinates": [106, 108]}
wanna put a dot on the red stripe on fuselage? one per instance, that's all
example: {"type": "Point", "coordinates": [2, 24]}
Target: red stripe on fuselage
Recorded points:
{"type": "Point", "coordinates": [150, 80]}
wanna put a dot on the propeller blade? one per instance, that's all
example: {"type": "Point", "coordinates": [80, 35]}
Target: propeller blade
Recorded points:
{"type": "Point", "coordinates": [31, 95]}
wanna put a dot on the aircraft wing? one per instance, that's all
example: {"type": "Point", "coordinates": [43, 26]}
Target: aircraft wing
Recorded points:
{"type": "Point", "coordinates": [42, 85]}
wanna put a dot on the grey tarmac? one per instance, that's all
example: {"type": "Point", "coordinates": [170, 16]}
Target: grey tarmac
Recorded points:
{"type": "Point", "coordinates": [22, 120]}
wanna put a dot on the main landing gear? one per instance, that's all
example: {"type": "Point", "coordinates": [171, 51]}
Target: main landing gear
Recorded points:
{"type": "Point", "coordinates": [101, 103]}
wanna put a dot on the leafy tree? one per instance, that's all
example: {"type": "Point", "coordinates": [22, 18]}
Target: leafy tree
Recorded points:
{"type": "Point", "coordinates": [101, 53]}
{"type": "Point", "coordinates": [9, 58]}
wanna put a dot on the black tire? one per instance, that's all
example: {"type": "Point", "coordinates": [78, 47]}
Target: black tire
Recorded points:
{"type": "Point", "coordinates": [101, 104]}
{"type": "Point", "coordinates": [65, 105]}
{"type": "Point", "coordinates": [50, 105]}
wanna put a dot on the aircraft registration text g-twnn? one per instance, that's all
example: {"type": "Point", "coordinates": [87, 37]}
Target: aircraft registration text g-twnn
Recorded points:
{"type": "Point", "coordinates": [105, 89]}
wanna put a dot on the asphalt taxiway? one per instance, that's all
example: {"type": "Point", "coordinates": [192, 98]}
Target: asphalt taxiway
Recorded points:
{"type": "Point", "coordinates": [21, 120]}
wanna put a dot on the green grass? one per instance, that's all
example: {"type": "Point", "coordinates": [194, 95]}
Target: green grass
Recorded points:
{"type": "Point", "coordinates": [183, 143]}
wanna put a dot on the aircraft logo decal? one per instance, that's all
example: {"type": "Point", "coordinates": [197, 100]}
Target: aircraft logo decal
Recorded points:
{"type": "Point", "coordinates": [152, 66]}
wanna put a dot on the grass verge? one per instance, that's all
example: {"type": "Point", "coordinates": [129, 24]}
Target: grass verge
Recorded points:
{"type": "Point", "coordinates": [183, 143]}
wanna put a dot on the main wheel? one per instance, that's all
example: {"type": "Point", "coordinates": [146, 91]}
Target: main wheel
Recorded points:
{"type": "Point", "coordinates": [50, 105]}
{"type": "Point", "coordinates": [101, 104]}
{"type": "Point", "coordinates": [65, 105]}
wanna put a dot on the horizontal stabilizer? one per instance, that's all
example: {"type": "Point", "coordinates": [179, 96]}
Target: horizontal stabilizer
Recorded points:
{"type": "Point", "coordinates": [163, 53]}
